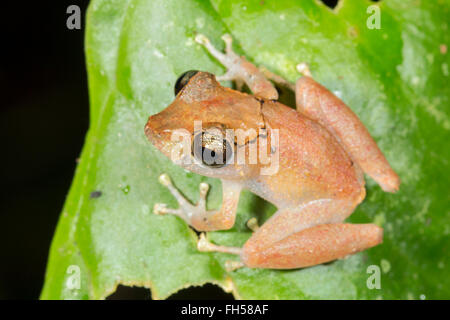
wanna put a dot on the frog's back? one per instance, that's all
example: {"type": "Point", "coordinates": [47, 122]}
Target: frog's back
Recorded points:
{"type": "Point", "coordinates": [312, 163]}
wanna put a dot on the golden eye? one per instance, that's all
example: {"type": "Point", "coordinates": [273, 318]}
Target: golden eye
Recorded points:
{"type": "Point", "coordinates": [211, 148]}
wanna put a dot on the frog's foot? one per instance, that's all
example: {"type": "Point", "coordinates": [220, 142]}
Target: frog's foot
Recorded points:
{"type": "Point", "coordinates": [239, 69]}
{"type": "Point", "coordinates": [204, 245]}
{"type": "Point", "coordinates": [186, 210]}
{"type": "Point", "coordinates": [303, 68]}
{"type": "Point", "coordinates": [252, 224]}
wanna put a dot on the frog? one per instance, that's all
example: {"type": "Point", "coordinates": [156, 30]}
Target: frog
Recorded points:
{"type": "Point", "coordinates": [323, 151]}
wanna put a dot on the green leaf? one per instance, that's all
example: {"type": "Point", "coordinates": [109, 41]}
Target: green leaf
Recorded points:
{"type": "Point", "coordinates": [395, 78]}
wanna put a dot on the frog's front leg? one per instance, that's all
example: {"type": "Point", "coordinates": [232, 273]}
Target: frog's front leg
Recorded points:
{"type": "Point", "coordinates": [239, 69]}
{"type": "Point", "coordinates": [197, 216]}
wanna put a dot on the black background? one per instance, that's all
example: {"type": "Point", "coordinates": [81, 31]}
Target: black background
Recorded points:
{"type": "Point", "coordinates": [44, 119]}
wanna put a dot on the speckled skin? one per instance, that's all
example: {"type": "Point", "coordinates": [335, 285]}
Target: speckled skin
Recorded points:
{"type": "Point", "coordinates": [323, 151]}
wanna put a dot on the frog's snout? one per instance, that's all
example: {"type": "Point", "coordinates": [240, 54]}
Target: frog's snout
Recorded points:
{"type": "Point", "coordinates": [153, 130]}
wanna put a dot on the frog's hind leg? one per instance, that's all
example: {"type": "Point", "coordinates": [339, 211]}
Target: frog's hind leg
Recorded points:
{"type": "Point", "coordinates": [230, 265]}
{"type": "Point", "coordinates": [239, 69]}
{"type": "Point", "coordinates": [302, 237]}
{"type": "Point", "coordinates": [323, 106]}
{"type": "Point", "coordinates": [312, 235]}
{"type": "Point", "coordinates": [252, 224]}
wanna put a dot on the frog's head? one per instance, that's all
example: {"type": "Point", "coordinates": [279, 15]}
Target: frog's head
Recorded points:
{"type": "Point", "coordinates": [195, 130]}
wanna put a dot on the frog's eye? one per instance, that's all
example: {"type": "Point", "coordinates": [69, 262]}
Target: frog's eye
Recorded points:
{"type": "Point", "coordinates": [183, 80]}
{"type": "Point", "coordinates": [212, 149]}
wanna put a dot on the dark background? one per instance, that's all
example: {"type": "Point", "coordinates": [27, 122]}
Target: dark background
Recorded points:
{"type": "Point", "coordinates": [44, 119]}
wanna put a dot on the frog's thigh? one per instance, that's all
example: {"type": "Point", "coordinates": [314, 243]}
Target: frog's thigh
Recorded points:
{"type": "Point", "coordinates": [196, 215]}
{"type": "Point", "coordinates": [315, 245]}
{"type": "Point", "coordinates": [323, 106]}
{"type": "Point", "coordinates": [309, 235]}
